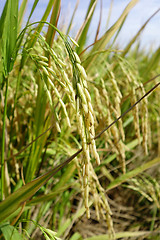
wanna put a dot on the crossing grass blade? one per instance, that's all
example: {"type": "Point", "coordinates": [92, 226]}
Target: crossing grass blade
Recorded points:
{"type": "Point", "coordinates": [54, 20]}
{"type": "Point", "coordinates": [19, 197]}
{"type": "Point", "coordinates": [8, 33]}
{"type": "Point", "coordinates": [102, 42]}
{"type": "Point", "coordinates": [72, 18]}
{"type": "Point", "coordinates": [127, 48]}
{"type": "Point", "coordinates": [82, 35]}
{"type": "Point", "coordinates": [58, 188]}
{"type": "Point", "coordinates": [41, 24]}
{"type": "Point", "coordinates": [10, 232]}
{"type": "Point", "coordinates": [152, 63]}
{"type": "Point", "coordinates": [32, 10]}
{"type": "Point", "coordinates": [21, 13]}
{"type": "Point", "coordinates": [99, 23]}
{"type": "Point", "coordinates": [48, 197]}
{"type": "Point", "coordinates": [123, 178]}
{"type": "Point", "coordinates": [2, 19]}
{"type": "Point", "coordinates": [37, 146]}
{"type": "Point", "coordinates": [119, 235]}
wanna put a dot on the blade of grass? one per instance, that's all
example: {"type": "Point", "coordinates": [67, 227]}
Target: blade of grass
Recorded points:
{"type": "Point", "coordinates": [99, 23]}
{"type": "Point", "coordinates": [59, 187]}
{"type": "Point", "coordinates": [37, 146]}
{"type": "Point", "coordinates": [82, 34]}
{"type": "Point", "coordinates": [9, 36]}
{"type": "Point", "coordinates": [69, 221]}
{"type": "Point", "coordinates": [153, 63]}
{"type": "Point", "coordinates": [21, 12]}
{"type": "Point", "coordinates": [133, 173]}
{"type": "Point", "coordinates": [109, 13]}
{"type": "Point", "coordinates": [72, 18]}
{"type": "Point", "coordinates": [2, 19]}
{"type": "Point", "coordinates": [3, 142]}
{"type": "Point", "coordinates": [21, 35]}
{"type": "Point", "coordinates": [102, 42]}
{"type": "Point", "coordinates": [54, 19]}
{"type": "Point", "coordinates": [16, 199]}
{"type": "Point", "coordinates": [120, 235]}
{"type": "Point", "coordinates": [40, 25]}
{"type": "Point", "coordinates": [48, 197]}
{"type": "Point", "coordinates": [119, 30]}
{"type": "Point", "coordinates": [10, 232]}
{"type": "Point", "coordinates": [127, 48]}
{"type": "Point", "coordinates": [32, 10]}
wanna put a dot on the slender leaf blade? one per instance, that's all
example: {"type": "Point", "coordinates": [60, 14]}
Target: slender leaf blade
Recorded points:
{"type": "Point", "coordinates": [132, 173]}
{"type": "Point", "coordinates": [9, 34]}
{"type": "Point", "coordinates": [10, 232]}
{"type": "Point", "coordinates": [54, 19]}
{"type": "Point", "coordinates": [102, 42]}
{"type": "Point", "coordinates": [16, 199]}
{"type": "Point", "coordinates": [83, 35]}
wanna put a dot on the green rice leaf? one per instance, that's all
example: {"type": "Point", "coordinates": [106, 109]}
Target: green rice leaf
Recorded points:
{"type": "Point", "coordinates": [16, 199]}
{"type": "Point", "coordinates": [32, 10]}
{"type": "Point", "coordinates": [133, 173]}
{"type": "Point", "coordinates": [41, 23]}
{"type": "Point", "coordinates": [152, 63]}
{"type": "Point", "coordinates": [72, 18]}
{"type": "Point", "coordinates": [2, 19]}
{"type": "Point", "coordinates": [103, 41]}
{"type": "Point", "coordinates": [83, 34]}
{"type": "Point", "coordinates": [21, 12]}
{"type": "Point", "coordinates": [127, 48]}
{"type": "Point", "coordinates": [10, 232]}
{"type": "Point", "coordinates": [120, 235]}
{"type": "Point", "coordinates": [9, 34]}
{"type": "Point", "coordinates": [49, 196]}
{"type": "Point", "coordinates": [54, 19]}
{"type": "Point", "coordinates": [19, 197]}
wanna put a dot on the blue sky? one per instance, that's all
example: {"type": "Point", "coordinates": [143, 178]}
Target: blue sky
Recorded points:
{"type": "Point", "coordinates": [138, 15]}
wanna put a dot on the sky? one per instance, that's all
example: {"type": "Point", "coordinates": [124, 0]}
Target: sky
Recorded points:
{"type": "Point", "coordinates": [138, 15]}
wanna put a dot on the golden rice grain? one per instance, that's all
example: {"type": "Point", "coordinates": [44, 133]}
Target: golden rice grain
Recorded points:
{"type": "Point", "coordinates": [43, 63]}
{"type": "Point", "coordinates": [61, 62]}
{"type": "Point", "coordinates": [53, 53]}
{"type": "Point", "coordinates": [74, 42]}
{"type": "Point", "coordinates": [77, 58]}
{"type": "Point", "coordinates": [45, 70]}
{"type": "Point", "coordinates": [43, 58]}
{"type": "Point", "coordinates": [82, 95]}
{"type": "Point", "coordinates": [51, 70]}
{"type": "Point", "coordinates": [82, 71]}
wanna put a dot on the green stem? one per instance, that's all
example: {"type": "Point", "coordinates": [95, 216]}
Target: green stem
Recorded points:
{"type": "Point", "coordinates": [3, 140]}
{"type": "Point", "coordinates": [15, 102]}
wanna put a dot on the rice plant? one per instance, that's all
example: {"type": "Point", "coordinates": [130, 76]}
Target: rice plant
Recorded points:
{"type": "Point", "coordinates": [80, 138]}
